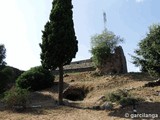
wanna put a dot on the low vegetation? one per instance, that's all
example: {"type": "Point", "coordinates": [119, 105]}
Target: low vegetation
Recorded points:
{"type": "Point", "coordinates": [116, 96]}
{"type": "Point", "coordinates": [123, 91]}
{"type": "Point", "coordinates": [36, 78]}
{"type": "Point", "coordinates": [6, 77]}
{"type": "Point", "coordinates": [16, 98]}
{"type": "Point", "coordinates": [122, 97]}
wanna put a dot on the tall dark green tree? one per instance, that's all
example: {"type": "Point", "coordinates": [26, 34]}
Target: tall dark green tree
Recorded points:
{"type": "Point", "coordinates": [148, 53]}
{"type": "Point", "coordinates": [59, 44]}
{"type": "Point", "coordinates": [2, 55]}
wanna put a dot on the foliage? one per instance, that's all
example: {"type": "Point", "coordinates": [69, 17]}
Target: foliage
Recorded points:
{"type": "Point", "coordinates": [59, 44]}
{"type": "Point", "coordinates": [103, 45]}
{"type": "Point", "coordinates": [9, 73]}
{"type": "Point", "coordinates": [125, 101]}
{"type": "Point", "coordinates": [3, 81]}
{"type": "Point", "coordinates": [36, 78]}
{"type": "Point", "coordinates": [117, 95]}
{"type": "Point", "coordinates": [122, 97]}
{"type": "Point", "coordinates": [8, 76]}
{"type": "Point", "coordinates": [2, 55]}
{"type": "Point", "coordinates": [148, 53]}
{"type": "Point", "coordinates": [100, 53]}
{"type": "Point", "coordinates": [16, 97]}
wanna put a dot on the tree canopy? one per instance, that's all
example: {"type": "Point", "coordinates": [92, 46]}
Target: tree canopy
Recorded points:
{"type": "Point", "coordinates": [59, 44]}
{"type": "Point", "coordinates": [148, 52]}
{"type": "Point", "coordinates": [2, 54]}
{"type": "Point", "coordinates": [103, 45]}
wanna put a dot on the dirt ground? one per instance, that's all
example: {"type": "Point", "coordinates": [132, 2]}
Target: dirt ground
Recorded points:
{"type": "Point", "coordinates": [44, 103]}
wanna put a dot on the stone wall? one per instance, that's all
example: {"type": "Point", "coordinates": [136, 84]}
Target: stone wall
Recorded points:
{"type": "Point", "coordinates": [116, 63]}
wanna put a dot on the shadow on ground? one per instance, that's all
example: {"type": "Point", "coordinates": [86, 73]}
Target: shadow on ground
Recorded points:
{"type": "Point", "coordinates": [148, 110]}
{"type": "Point", "coordinates": [138, 76]}
{"type": "Point", "coordinates": [55, 86]}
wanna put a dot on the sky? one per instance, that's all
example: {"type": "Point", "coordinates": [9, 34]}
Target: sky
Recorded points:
{"type": "Point", "coordinates": [21, 23]}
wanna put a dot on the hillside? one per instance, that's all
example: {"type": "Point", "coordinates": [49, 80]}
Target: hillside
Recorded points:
{"type": "Point", "coordinates": [95, 87]}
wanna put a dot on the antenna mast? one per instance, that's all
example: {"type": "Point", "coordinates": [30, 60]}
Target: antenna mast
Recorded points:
{"type": "Point", "coordinates": [104, 20]}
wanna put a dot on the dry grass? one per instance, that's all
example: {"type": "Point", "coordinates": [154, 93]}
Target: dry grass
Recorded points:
{"type": "Point", "coordinates": [97, 86]}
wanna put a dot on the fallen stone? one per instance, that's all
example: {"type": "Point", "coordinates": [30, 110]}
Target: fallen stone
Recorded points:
{"type": "Point", "coordinates": [107, 106]}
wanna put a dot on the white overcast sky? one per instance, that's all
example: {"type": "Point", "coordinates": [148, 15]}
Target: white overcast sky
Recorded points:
{"type": "Point", "coordinates": [21, 22]}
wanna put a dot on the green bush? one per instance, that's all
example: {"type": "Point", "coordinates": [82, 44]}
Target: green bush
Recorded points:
{"type": "Point", "coordinates": [16, 97]}
{"type": "Point", "coordinates": [122, 97]}
{"type": "Point", "coordinates": [7, 78]}
{"type": "Point", "coordinates": [125, 101]}
{"type": "Point", "coordinates": [9, 73]}
{"type": "Point", "coordinates": [100, 53]}
{"type": "Point", "coordinates": [117, 95]}
{"type": "Point", "coordinates": [113, 97]}
{"type": "Point", "coordinates": [3, 81]}
{"type": "Point", "coordinates": [36, 78]}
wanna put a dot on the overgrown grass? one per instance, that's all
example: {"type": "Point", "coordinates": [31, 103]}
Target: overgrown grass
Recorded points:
{"type": "Point", "coordinates": [122, 97]}
{"type": "Point", "coordinates": [16, 97]}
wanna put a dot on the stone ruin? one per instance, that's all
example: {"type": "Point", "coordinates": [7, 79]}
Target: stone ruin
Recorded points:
{"type": "Point", "coordinates": [115, 64]}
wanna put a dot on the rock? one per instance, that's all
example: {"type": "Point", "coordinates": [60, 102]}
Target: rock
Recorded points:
{"type": "Point", "coordinates": [134, 111]}
{"type": "Point", "coordinates": [107, 106]}
{"type": "Point", "coordinates": [19, 108]}
{"type": "Point", "coordinates": [116, 63]}
{"type": "Point", "coordinates": [101, 98]}
{"type": "Point", "coordinates": [36, 106]}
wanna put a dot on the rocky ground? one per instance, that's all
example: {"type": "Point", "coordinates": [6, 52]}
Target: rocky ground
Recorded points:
{"type": "Point", "coordinates": [43, 104]}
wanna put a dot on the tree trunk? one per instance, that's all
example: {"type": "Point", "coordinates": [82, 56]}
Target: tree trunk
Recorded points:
{"type": "Point", "coordinates": [60, 85]}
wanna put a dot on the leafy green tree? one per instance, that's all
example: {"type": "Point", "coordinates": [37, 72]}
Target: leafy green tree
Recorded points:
{"type": "Point", "coordinates": [103, 45]}
{"type": "Point", "coordinates": [2, 55]}
{"type": "Point", "coordinates": [148, 53]}
{"type": "Point", "coordinates": [59, 44]}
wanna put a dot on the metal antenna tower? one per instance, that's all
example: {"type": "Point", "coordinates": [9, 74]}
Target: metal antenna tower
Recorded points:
{"type": "Point", "coordinates": [104, 20]}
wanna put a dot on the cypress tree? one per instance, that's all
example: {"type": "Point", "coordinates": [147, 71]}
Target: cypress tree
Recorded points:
{"type": "Point", "coordinates": [2, 55]}
{"type": "Point", "coordinates": [59, 44]}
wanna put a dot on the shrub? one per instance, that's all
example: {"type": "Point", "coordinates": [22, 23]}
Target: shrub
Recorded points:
{"type": "Point", "coordinates": [9, 73]}
{"type": "Point", "coordinates": [125, 101]}
{"type": "Point", "coordinates": [122, 97]}
{"type": "Point", "coordinates": [36, 78]}
{"type": "Point", "coordinates": [117, 95]}
{"type": "Point", "coordinates": [113, 97]}
{"type": "Point", "coordinates": [16, 97]}
{"type": "Point", "coordinates": [3, 82]}
{"type": "Point", "coordinates": [7, 78]}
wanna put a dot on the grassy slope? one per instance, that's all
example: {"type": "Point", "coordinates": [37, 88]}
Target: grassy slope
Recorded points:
{"type": "Point", "coordinates": [98, 86]}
